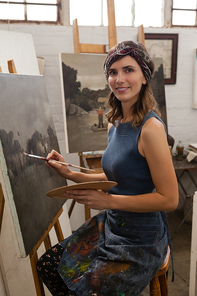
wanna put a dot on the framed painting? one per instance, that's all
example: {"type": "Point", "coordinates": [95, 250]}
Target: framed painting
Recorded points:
{"type": "Point", "coordinates": [164, 46]}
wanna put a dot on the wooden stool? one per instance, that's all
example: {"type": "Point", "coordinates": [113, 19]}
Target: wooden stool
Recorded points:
{"type": "Point", "coordinates": [158, 285]}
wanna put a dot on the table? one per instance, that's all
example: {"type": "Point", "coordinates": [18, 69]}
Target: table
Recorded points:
{"type": "Point", "coordinates": [185, 167]}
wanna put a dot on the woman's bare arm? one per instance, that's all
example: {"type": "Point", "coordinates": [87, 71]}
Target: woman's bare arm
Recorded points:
{"type": "Point", "coordinates": [65, 172]}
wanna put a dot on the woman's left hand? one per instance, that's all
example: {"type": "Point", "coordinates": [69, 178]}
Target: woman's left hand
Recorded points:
{"type": "Point", "coordinates": [94, 199]}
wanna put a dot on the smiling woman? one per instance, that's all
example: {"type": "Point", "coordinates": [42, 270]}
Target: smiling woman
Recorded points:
{"type": "Point", "coordinates": [118, 251]}
{"type": "Point", "coordinates": [135, 68]}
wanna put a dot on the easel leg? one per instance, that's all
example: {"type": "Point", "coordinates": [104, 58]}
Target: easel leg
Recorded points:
{"type": "Point", "coordinates": [58, 231]}
{"type": "Point", "coordinates": [38, 283]}
{"type": "Point", "coordinates": [87, 213]}
{"type": "Point", "coordinates": [47, 242]}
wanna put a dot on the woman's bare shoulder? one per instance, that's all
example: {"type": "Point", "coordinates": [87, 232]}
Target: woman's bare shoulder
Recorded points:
{"type": "Point", "coordinates": [153, 125]}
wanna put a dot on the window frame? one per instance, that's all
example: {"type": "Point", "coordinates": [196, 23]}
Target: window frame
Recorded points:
{"type": "Point", "coordinates": [58, 4]}
{"type": "Point", "coordinates": [182, 9]}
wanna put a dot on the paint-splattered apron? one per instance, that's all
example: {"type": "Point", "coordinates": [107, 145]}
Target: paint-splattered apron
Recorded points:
{"type": "Point", "coordinates": [114, 254]}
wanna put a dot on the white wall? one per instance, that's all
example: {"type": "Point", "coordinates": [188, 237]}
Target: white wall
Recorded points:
{"type": "Point", "coordinates": [51, 40]}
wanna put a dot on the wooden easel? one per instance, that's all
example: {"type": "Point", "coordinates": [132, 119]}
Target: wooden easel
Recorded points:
{"type": "Point", "coordinates": [141, 36]}
{"type": "Point", "coordinates": [47, 242]}
{"type": "Point", "coordinates": [94, 161]}
{"type": "Point", "coordinates": [97, 48]}
{"type": "Point", "coordinates": [45, 238]}
{"type": "Point", "coordinates": [11, 67]}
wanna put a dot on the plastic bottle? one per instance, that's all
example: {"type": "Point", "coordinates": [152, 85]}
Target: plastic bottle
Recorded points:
{"type": "Point", "coordinates": [179, 151]}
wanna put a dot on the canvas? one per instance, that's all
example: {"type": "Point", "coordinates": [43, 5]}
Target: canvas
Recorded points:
{"type": "Point", "coordinates": [85, 92]}
{"type": "Point", "coordinates": [158, 87]}
{"type": "Point", "coordinates": [26, 125]}
{"type": "Point", "coordinates": [20, 48]}
{"type": "Point", "coordinates": [84, 96]}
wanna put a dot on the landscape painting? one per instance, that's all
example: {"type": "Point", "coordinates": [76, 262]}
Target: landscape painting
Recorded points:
{"type": "Point", "coordinates": [26, 125]}
{"type": "Point", "coordinates": [85, 95]}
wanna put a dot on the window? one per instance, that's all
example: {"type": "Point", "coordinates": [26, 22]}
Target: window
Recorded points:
{"type": "Point", "coordinates": [128, 12]}
{"type": "Point", "coordinates": [87, 12]}
{"type": "Point", "coordinates": [30, 10]}
{"type": "Point", "coordinates": [184, 13]}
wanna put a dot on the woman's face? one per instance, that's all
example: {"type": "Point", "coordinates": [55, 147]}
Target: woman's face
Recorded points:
{"type": "Point", "coordinates": [125, 79]}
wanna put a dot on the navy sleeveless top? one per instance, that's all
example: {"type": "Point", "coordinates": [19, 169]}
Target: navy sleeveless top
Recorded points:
{"type": "Point", "coordinates": [123, 163]}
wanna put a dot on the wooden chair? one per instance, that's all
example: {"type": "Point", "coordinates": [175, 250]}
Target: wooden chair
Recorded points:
{"type": "Point", "coordinates": [158, 285]}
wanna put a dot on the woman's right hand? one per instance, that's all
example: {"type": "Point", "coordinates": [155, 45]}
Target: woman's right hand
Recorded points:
{"type": "Point", "coordinates": [62, 170]}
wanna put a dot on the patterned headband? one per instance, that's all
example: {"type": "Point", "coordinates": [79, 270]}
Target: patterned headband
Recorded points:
{"type": "Point", "coordinates": [141, 56]}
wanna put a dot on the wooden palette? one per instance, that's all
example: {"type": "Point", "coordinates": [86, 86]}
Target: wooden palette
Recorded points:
{"type": "Point", "coordinates": [102, 185]}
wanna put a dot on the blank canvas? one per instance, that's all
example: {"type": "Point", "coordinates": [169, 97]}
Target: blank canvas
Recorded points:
{"type": "Point", "coordinates": [20, 48]}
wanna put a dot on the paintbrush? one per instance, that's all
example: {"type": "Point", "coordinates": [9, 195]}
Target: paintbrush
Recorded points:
{"type": "Point", "coordinates": [63, 163]}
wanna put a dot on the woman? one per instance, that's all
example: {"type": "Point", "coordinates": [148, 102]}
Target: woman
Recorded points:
{"type": "Point", "coordinates": [119, 251]}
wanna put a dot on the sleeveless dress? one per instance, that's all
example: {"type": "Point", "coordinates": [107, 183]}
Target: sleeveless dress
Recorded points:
{"type": "Point", "coordinates": [118, 252]}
